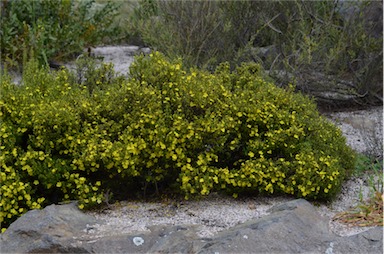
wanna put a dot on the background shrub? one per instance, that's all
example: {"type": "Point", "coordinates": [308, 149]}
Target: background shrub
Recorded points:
{"type": "Point", "coordinates": [163, 129]}
{"type": "Point", "coordinates": [53, 29]}
{"type": "Point", "coordinates": [330, 50]}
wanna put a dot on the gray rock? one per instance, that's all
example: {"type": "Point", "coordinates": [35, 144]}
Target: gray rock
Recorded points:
{"type": "Point", "coordinates": [370, 241]}
{"type": "Point", "coordinates": [50, 230]}
{"type": "Point", "coordinates": [292, 227]}
{"type": "Point", "coordinates": [163, 239]}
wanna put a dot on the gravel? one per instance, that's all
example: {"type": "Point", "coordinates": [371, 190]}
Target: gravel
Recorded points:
{"type": "Point", "coordinates": [363, 129]}
{"type": "Point", "coordinates": [216, 213]}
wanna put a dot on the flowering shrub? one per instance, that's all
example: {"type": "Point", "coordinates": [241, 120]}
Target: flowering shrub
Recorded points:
{"type": "Point", "coordinates": [164, 128]}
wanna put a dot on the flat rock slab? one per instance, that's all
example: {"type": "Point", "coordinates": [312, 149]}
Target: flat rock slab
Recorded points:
{"type": "Point", "coordinates": [292, 227]}
{"type": "Point", "coordinates": [120, 56]}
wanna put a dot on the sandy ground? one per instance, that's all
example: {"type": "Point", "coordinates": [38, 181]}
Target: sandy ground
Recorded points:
{"type": "Point", "coordinates": [363, 130]}
{"type": "Point", "coordinates": [216, 213]}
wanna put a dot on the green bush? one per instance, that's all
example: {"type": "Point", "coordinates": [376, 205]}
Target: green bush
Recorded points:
{"type": "Point", "coordinates": [53, 29]}
{"type": "Point", "coordinates": [163, 129]}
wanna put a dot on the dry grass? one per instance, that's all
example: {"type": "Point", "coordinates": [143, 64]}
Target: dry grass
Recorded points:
{"type": "Point", "coordinates": [364, 215]}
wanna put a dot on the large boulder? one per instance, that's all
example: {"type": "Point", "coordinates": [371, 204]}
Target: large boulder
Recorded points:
{"type": "Point", "coordinates": [51, 230]}
{"type": "Point", "coordinates": [292, 227]}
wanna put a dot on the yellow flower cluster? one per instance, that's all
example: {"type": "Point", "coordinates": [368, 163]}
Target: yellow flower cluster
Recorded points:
{"type": "Point", "coordinates": [15, 197]}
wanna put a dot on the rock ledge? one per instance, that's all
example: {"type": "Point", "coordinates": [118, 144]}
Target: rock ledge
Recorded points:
{"type": "Point", "coordinates": [290, 227]}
